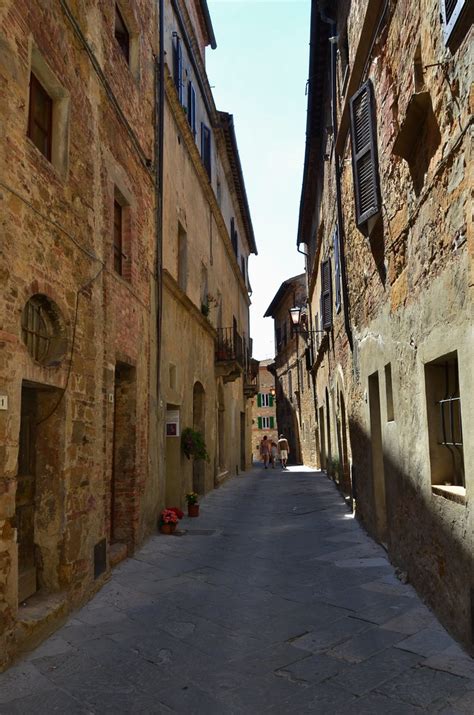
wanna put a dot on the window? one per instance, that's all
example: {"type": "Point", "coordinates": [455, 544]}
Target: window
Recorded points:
{"type": "Point", "coordinates": [326, 295]}
{"type": "Point", "coordinates": [264, 399]}
{"type": "Point", "coordinates": [121, 34]}
{"type": "Point", "coordinates": [242, 266]}
{"type": "Point", "coordinates": [42, 330]}
{"type": "Point", "coordinates": [266, 422]}
{"type": "Point", "coordinates": [290, 385]}
{"type": "Point", "coordinates": [389, 392]}
{"type": "Point", "coordinates": [234, 236]}
{"type": "Point", "coordinates": [337, 269]}
{"type": "Point", "coordinates": [48, 113]}
{"type": "Point", "coordinates": [456, 14]}
{"type": "Point", "coordinates": [178, 67]}
{"type": "Point", "coordinates": [443, 405]}
{"type": "Point", "coordinates": [40, 120]}
{"type": "Point", "coordinates": [182, 258]}
{"type": "Point", "coordinates": [206, 148]}
{"type": "Point", "coordinates": [192, 108]}
{"type": "Point", "coordinates": [118, 238]}
{"type": "Point", "coordinates": [364, 156]}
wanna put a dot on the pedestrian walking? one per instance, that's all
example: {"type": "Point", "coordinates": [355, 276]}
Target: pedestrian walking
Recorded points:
{"type": "Point", "coordinates": [273, 453]}
{"type": "Point", "coordinates": [284, 450]}
{"type": "Point", "coordinates": [265, 450]}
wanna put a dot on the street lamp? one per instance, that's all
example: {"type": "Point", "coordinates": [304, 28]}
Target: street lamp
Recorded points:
{"type": "Point", "coordinates": [299, 321]}
{"type": "Point", "coordinates": [295, 315]}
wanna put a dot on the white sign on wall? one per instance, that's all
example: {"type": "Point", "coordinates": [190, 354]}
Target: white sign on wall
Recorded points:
{"type": "Point", "coordinates": [172, 423]}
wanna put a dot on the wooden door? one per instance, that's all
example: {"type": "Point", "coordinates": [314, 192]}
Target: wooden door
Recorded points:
{"type": "Point", "coordinates": [25, 497]}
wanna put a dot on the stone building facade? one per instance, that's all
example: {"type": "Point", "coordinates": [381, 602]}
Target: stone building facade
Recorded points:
{"type": "Point", "coordinates": [77, 275]}
{"type": "Point", "coordinates": [207, 374]}
{"type": "Point", "coordinates": [105, 336]}
{"type": "Point", "coordinates": [264, 420]}
{"type": "Point", "coordinates": [385, 223]}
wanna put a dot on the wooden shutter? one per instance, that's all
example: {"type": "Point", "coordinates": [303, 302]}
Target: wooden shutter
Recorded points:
{"type": "Point", "coordinates": [272, 422]}
{"type": "Point", "coordinates": [206, 148]}
{"type": "Point", "coordinates": [259, 400]}
{"type": "Point", "coordinates": [337, 270]}
{"type": "Point", "coordinates": [452, 12]}
{"type": "Point", "coordinates": [178, 69]}
{"type": "Point", "coordinates": [308, 353]}
{"type": "Point", "coordinates": [364, 154]}
{"type": "Point", "coordinates": [326, 297]}
{"type": "Point", "coordinates": [192, 108]}
{"type": "Point", "coordinates": [270, 397]}
{"type": "Point", "coordinates": [259, 421]}
{"type": "Point", "coordinates": [40, 119]}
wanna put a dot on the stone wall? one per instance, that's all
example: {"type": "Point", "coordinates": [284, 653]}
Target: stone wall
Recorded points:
{"type": "Point", "coordinates": [409, 300]}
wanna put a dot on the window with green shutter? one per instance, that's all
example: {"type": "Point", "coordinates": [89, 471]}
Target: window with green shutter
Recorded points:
{"type": "Point", "coordinates": [270, 400]}
{"type": "Point", "coordinates": [326, 295]}
{"type": "Point", "coordinates": [259, 400]}
{"type": "Point", "coordinates": [272, 423]}
{"type": "Point", "coordinates": [259, 422]}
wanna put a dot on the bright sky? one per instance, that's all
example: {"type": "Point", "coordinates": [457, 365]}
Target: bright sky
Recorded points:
{"type": "Point", "coordinates": [258, 73]}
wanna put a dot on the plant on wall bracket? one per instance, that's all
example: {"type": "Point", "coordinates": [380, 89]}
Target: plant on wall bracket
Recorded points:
{"type": "Point", "coordinates": [193, 444]}
{"type": "Point", "coordinates": [208, 302]}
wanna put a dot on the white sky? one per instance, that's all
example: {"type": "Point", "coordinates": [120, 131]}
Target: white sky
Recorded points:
{"type": "Point", "coordinates": [258, 73]}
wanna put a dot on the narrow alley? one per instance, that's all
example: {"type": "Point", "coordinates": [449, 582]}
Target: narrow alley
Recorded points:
{"type": "Point", "coordinates": [274, 600]}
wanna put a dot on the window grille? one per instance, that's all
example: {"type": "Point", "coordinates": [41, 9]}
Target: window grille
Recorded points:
{"type": "Point", "coordinates": [42, 331]}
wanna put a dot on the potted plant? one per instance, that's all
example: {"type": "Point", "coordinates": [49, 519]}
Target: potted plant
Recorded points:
{"type": "Point", "coordinates": [193, 444]}
{"type": "Point", "coordinates": [168, 520]}
{"type": "Point", "coordinates": [193, 505]}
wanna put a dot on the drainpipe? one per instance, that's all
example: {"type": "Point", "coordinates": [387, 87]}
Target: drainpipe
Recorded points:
{"type": "Point", "coordinates": [337, 171]}
{"type": "Point", "coordinates": [159, 158]}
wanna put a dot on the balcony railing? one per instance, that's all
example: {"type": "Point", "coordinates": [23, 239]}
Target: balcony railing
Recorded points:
{"type": "Point", "coordinates": [230, 346]}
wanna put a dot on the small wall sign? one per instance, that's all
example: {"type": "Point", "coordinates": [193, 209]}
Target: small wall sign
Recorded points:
{"type": "Point", "coordinates": [172, 423]}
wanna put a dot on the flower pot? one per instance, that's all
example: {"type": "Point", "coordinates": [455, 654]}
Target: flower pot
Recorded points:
{"type": "Point", "coordinates": [193, 509]}
{"type": "Point", "coordinates": [167, 528]}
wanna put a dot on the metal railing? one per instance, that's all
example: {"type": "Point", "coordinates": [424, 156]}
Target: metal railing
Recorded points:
{"type": "Point", "coordinates": [230, 346]}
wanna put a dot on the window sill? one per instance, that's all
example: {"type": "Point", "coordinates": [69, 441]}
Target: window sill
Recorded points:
{"type": "Point", "coordinates": [456, 494]}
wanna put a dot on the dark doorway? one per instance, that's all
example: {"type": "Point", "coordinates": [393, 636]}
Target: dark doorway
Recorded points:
{"type": "Point", "coordinates": [242, 441]}
{"type": "Point", "coordinates": [378, 476]}
{"type": "Point", "coordinates": [122, 502]}
{"type": "Point", "coordinates": [199, 465]}
{"type": "Point", "coordinates": [26, 496]}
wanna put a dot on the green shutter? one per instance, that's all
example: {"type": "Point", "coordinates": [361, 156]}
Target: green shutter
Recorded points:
{"type": "Point", "coordinates": [259, 401]}
{"type": "Point", "coordinates": [259, 420]}
{"type": "Point", "coordinates": [272, 422]}
{"type": "Point", "coordinates": [271, 400]}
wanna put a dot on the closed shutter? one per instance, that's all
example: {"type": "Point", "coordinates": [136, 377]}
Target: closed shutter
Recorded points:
{"type": "Point", "coordinates": [178, 69]}
{"type": "Point", "coordinates": [259, 400]}
{"type": "Point", "coordinates": [337, 270]}
{"type": "Point", "coordinates": [308, 353]}
{"type": "Point", "coordinates": [270, 400]}
{"type": "Point", "coordinates": [192, 108]}
{"type": "Point", "coordinates": [326, 297]}
{"type": "Point", "coordinates": [206, 148]}
{"type": "Point", "coordinates": [452, 12]}
{"type": "Point", "coordinates": [259, 422]}
{"type": "Point", "coordinates": [364, 154]}
{"type": "Point", "coordinates": [272, 422]}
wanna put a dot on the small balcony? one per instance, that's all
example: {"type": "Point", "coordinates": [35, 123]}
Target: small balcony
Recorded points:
{"type": "Point", "coordinates": [229, 355]}
{"type": "Point", "coordinates": [251, 381]}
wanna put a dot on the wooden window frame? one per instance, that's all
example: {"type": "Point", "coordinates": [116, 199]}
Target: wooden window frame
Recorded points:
{"type": "Point", "coordinates": [461, 10]}
{"type": "Point", "coordinates": [37, 89]}
{"type": "Point", "coordinates": [364, 145]}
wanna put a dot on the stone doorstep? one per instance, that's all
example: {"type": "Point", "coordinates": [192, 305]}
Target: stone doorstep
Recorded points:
{"type": "Point", "coordinates": [38, 619]}
{"type": "Point", "coordinates": [117, 553]}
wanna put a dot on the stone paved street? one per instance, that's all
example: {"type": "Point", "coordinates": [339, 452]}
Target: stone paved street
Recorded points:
{"type": "Point", "coordinates": [274, 600]}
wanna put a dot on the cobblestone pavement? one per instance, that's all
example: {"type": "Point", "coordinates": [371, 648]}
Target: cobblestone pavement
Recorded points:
{"type": "Point", "coordinates": [274, 600]}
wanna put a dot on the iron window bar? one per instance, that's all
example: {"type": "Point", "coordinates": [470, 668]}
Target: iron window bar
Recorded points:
{"type": "Point", "coordinates": [452, 438]}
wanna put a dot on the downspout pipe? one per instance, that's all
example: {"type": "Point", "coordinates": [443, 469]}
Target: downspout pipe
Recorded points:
{"type": "Point", "coordinates": [159, 159]}
{"type": "Point", "coordinates": [337, 172]}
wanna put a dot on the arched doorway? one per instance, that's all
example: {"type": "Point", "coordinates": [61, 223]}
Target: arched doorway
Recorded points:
{"type": "Point", "coordinates": [328, 427]}
{"type": "Point", "coordinates": [199, 424]}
